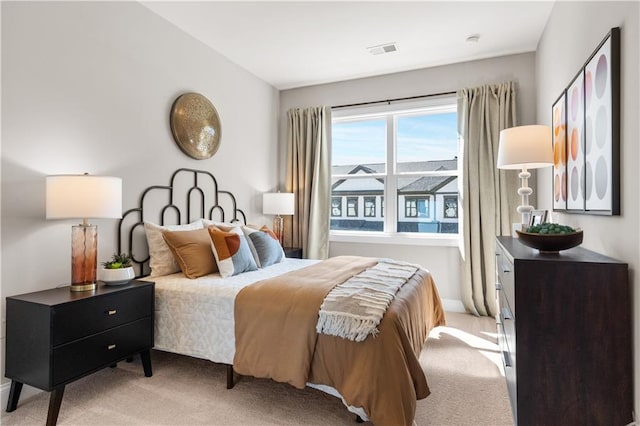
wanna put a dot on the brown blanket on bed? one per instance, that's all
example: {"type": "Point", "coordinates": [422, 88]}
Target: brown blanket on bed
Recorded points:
{"type": "Point", "coordinates": [275, 322]}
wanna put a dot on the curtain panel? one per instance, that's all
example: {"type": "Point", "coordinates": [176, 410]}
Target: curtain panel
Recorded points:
{"type": "Point", "coordinates": [308, 176]}
{"type": "Point", "coordinates": [489, 195]}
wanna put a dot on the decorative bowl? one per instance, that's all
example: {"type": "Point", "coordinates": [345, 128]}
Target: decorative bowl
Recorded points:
{"type": "Point", "coordinates": [550, 243]}
{"type": "Point", "coordinates": [119, 276]}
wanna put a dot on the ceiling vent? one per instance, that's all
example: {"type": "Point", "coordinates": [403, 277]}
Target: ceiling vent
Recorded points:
{"type": "Point", "coordinates": [382, 48]}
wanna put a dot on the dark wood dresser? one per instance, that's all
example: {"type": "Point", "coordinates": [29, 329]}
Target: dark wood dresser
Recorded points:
{"type": "Point", "coordinates": [564, 328]}
{"type": "Point", "coordinates": [57, 336]}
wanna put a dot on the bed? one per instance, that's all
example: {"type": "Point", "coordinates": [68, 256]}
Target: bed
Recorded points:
{"type": "Point", "coordinates": [261, 322]}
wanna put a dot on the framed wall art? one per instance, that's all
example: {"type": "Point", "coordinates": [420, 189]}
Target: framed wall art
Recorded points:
{"type": "Point", "coordinates": [602, 127]}
{"type": "Point", "coordinates": [559, 141]}
{"type": "Point", "coordinates": [575, 144]}
{"type": "Point", "coordinates": [586, 135]}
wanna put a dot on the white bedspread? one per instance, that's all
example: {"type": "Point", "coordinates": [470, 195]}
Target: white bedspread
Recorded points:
{"type": "Point", "coordinates": [195, 317]}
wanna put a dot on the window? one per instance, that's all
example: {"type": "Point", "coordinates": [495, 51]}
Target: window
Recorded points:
{"type": "Point", "coordinates": [336, 206]}
{"type": "Point", "coordinates": [352, 207]}
{"type": "Point", "coordinates": [416, 207]}
{"type": "Point", "coordinates": [451, 207]}
{"type": "Point", "coordinates": [411, 208]}
{"type": "Point", "coordinates": [405, 155]}
{"type": "Point", "coordinates": [369, 206]}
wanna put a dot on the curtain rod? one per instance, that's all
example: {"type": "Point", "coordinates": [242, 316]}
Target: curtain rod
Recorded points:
{"type": "Point", "coordinates": [388, 101]}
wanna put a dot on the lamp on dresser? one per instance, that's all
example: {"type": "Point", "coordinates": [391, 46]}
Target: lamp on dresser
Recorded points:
{"type": "Point", "coordinates": [278, 204]}
{"type": "Point", "coordinates": [83, 197]}
{"type": "Point", "coordinates": [523, 148]}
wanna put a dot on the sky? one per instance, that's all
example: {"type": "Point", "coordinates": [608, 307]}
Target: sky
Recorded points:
{"type": "Point", "coordinates": [420, 138]}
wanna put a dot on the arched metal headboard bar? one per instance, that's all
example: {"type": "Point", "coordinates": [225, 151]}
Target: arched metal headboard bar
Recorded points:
{"type": "Point", "coordinates": [189, 200]}
{"type": "Point", "coordinates": [135, 217]}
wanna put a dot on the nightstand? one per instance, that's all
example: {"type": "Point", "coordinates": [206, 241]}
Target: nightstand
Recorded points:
{"type": "Point", "coordinates": [56, 336]}
{"type": "Point", "coordinates": [293, 252]}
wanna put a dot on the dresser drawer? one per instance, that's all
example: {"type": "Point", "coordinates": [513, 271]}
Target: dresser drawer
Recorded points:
{"type": "Point", "coordinates": [73, 321]}
{"type": "Point", "coordinates": [505, 272]}
{"type": "Point", "coordinates": [78, 358]}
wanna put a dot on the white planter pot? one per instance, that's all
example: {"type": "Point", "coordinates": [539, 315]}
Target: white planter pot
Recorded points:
{"type": "Point", "coordinates": [116, 276]}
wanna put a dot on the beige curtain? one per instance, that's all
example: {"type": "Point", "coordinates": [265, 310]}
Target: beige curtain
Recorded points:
{"type": "Point", "coordinates": [309, 178]}
{"type": "Point", "coordinates": [489, 195]}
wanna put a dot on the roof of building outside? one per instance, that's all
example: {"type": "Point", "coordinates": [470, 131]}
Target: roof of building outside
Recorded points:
{"type": "Point", "coordinates": [423, 184]}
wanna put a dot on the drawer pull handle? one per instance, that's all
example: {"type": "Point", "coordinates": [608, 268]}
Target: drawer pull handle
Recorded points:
{"type": "Point", "coordinates": [507, 359]}
{"type": "Point", "coordinates": [110, 347]}
{"type": "Point", "coordinates": [112, 312]}
{"type": "Point", "coordinates": [506, 313]}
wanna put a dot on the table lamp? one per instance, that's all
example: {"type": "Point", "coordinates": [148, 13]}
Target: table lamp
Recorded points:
{"type": "Point", "coordinates": [83, 197]}
{"type": "Point", "coordinates": [279, 204]}
{"type": "Point", "coordinates": [525, 147]}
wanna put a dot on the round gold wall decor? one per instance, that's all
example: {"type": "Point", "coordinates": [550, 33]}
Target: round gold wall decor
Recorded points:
{"type": "Point", "coordinates": [195, 125]}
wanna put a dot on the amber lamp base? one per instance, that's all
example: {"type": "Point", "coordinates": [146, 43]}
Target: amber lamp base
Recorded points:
{"type": "Point", "coordinates": [278, 229]}
{"type": "Point", "coordinates": [84, 257]}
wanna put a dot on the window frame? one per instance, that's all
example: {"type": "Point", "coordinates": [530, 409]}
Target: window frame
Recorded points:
{"type": "Point", "coordinates": [355, 207]}
{"type": "Point", "coordinates": [365, 199]}
{"type": "Point", "coordinates": [444, 202]}
{"type": "Point", "coordinates": [388, 201]}
{"type": "Point", "coordinates": [339, 199]}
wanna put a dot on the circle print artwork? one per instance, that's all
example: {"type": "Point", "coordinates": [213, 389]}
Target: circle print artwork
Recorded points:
{"type": "Point", "coordinates": [574, 144]}
{"type": "Point", "coordinates": [601, 126]}
{"type": "Point", "coordinates": [587, 131]}
{"type": "Point", "coordinates": [601, 76]}
{"type": "Point", "coordinates": [556, 188]}
{"type": "Point", "coordinates": [564, 186]}
{"type": "Point", "coordinates": [588, 87]}
{"type": "Point", "coordinates": [575, 101]}
{"type": "Point", "coordinates": [575, 182]}
{"type": "Point", "coordinates": [601, 177]}
{"type": "Point", "coordinates": [589, 181]}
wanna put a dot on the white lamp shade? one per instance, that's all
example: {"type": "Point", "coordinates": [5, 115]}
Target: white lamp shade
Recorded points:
{"type": "Point", "coordinates": [278, 203]}
{"type": "Point", "coordinates": [525, 147]}
{"type": "Point", "coordinates": [83, 196]}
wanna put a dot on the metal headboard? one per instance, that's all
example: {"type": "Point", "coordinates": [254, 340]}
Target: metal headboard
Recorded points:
{"type": "Point", "coordinates": [211, 201]}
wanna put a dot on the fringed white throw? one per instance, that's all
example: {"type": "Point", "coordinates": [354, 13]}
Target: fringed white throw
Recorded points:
{"type": "Point", "coordinates": [352, 310]}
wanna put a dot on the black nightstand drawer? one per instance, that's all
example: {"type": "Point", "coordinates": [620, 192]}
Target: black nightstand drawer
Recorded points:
{"type": "Point", "coordinates": [56, 336]}
{"type": "Point", "coordinates": [75, 320]}
{"type": "Point", "coordinates": [78, 358]}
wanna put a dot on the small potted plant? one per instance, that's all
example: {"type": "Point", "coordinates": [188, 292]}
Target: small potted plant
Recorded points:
{"type": "Point", "coordinates": [118, 270]}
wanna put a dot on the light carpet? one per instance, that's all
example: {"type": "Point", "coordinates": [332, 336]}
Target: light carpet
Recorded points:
{"type": "Point", "coordinates": [461, 362]}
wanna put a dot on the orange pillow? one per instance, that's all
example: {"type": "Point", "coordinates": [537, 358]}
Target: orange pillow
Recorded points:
{"type": "Point", "coordinates": [192, 251]}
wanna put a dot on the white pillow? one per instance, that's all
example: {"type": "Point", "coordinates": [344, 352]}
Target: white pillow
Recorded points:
{"type": "Point", "coordinates": [162, 261]}
{"type": "Point", "coordinates": [225, 226]}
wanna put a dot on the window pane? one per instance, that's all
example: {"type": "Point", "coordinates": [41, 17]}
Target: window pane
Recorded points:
{"type": "Point", "coordinates": [450, 207]}
{"type": "Point", "coordinates": [427, 142]}
{"type": "Point", "coordinates": [369, 206]}
{"type": "Point", "coordinates": [359, 200]}
{"type": "Point", "coordinates": [352, 206]}
{"type": "Point", "coordinates": [336, 206]}
{"type": "Point", "coordinates": [357, 143]}
{"type": "Point", "coordinates": [428, 204]}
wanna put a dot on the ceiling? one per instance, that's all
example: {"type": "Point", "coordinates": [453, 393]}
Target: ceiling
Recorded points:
{"type": "Point", "coordinates": [292, 44]}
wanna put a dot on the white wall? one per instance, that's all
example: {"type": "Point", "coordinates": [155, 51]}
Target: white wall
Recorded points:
{"type": "Point", "coordinates": [572, 33]}
{"type": "Point", "coordinates": [87, 87]}
{"type": "Point", "coordinates": [443, 262]}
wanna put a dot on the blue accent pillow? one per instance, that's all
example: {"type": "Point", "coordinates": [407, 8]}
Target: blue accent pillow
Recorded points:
{"type": "Point", "coordinates": [265, 247]}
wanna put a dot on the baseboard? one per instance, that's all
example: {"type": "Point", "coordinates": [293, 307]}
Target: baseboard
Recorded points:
{"type": "Point", "coordinates": [27, 392]}
{"type": "Point", "coordinates": [453, 305]}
